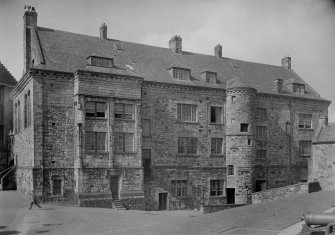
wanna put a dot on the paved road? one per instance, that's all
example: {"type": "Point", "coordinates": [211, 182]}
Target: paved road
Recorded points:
{"type": "Point", "coordinates": [263, 219]}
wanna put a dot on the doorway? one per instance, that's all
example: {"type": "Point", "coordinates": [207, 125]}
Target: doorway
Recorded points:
{"type": "Point", "coordinates": [162, 201]}
{"type": "Point", "coordinates": [230, 195]}
{"type": "Point", "coordinates": [114, 186]}
{"type": "Point", "coordinates": [261, 185]}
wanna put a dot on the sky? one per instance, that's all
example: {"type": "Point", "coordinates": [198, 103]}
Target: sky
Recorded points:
{"type": "Point", "coordinates": [261, 31]}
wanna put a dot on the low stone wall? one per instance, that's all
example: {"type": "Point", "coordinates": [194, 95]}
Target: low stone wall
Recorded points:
{"type": "Point", "coordinates": [100, 203]}
{"type": "Point", "coordinates": [133, 203]}
{"type": "Point", "coordinates": [214, 208]}
{"type": "Point", "coordinates": [277, 193]}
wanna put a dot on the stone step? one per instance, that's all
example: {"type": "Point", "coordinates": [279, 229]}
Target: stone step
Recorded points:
{"type": "Point", "coordinates": [117, 205]}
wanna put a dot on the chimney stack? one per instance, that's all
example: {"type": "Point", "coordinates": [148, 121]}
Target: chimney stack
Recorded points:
{"type": "Point", "coordinates": [29, 25]}
{"type": "Point", "coordinates": [175, 44]}
{"type": "Point", "coordinates": [103, 31]}
{"type": "Point", "coordinates": [218, 51]}
{"type": "Point", "coordinates": [278, 85]}
{"type": "Point", "coordinates": [286, 62]}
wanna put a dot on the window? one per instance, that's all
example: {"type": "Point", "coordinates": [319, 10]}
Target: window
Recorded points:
{"type": "Point", "coordinates": [25, 110]}
{"type": "Point", "coordinates": [95, 141]}
{"type": "Point", "coordinates": [298, 89]}
{"type": "Point", "coordinates": [101, 62]}
{"type": "Point", "coordinates": [57, 187]}
{"type": "Point", "coordinates": [216, 187]}
{"type": "Point", "coordinates": [187, 145]}
{"type": "Point", "coordinates": [305, 148]}
{"type": "Point", "coordinates": [211, 77]}
{"type": "Point", "coordinates": [261, 132]}
{"type": "Point", "coordinates": [216, 145]}
{"type": "Point", "coordinates": [124, 111]}
{"type": "Point", "coordinates": [146, 127]}
{"type": "Point", "coordinates": [260, 112]}
{"type": "Point", "coordinates": [15, 118]}
{"type": "Point", "coordinates": [119, 46]}
{"type": "Point", "coordinates": [181, 74]}
{"type": "Point", "coordinates": [179, 188]}
{"type": "Point", "coordinates": [124, 142]}
{"type": "Point", "coordinates": [305, 121]}
{"type": "Point", "coordinates": [216, 114]}
{"type": "Point", "coordinates": [230, 169]}
{"type": "Point", "coordinates": [233, 98]}
{"type": "Point", "coordinates": [18, 117]}
{"type": "Point", "coordinates": [28, 109]}
{"type": "Point", "coordinates": [186, 112]}
{"type": "Point", "coordinates": [244, 127]}
{"type": "Point", "coordinates": [261, 153]}
{"type": "Point", "coordinates": [95, 109]}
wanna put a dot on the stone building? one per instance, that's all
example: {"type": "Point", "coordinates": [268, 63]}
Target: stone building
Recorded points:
{"type": "Point", "coordinates": [159, 128]}
{"type": "Point", "coordinates": [322, 164]}
{"type": "Point", "coordinates": [7, 82]}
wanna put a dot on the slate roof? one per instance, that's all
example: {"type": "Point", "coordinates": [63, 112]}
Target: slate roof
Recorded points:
{"type": "Point", "coordinates": [6, 77]}
{"type": "Point", "coordinates": [65, 51]}
{"type": "Point", "coordinates": [326, 134]}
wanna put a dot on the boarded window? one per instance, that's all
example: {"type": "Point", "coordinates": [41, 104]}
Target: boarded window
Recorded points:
{"type": "Point", "coordinates": [260, 112]}
{"type": "Point", "coordinates": [146, 127]}
{"type": "Point", "coordinates": [216, 145]}
{"type": "Point", "coordinates": [216, 114]}
{"type": "Point", "coordinates": [187, 145]}
{"type": "Point", "coordinates": [216, 187]}
{"type": "Point", "coordinates": [178, 188]}
{"type": "Point", "coordinates": [124, 111]}
{"type": "Point", "coordinates": [181, 74]}
{"type": "Point", "coordinates": [123, 142]}
{"type": "Point", "coordinates": [95, 141]}
{"type": "Point", "coordinates": [186, 112]}
{"type": "Point", "coordinates": [305, 147]}
{"type": "Point", "coordinates": [305, 121]}
{"type": "Point", "coordinates": [57, 187]}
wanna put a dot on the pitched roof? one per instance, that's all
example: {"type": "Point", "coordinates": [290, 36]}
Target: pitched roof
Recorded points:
{"type": "Point", "coordinates": [326, 134]}
{"type": "Point", "coordinates": [65, 51]}
{"type": "Point", "coordinates": [237, 83]}
{"type": "Point", "coordinates": [6, 77]}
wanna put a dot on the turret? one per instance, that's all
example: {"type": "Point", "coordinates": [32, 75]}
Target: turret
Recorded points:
{"type": "Point", "coordinates": [240, 150]}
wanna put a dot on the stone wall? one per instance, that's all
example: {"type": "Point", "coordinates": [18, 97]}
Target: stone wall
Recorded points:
{"type": "Point", "coordinates": [323, 165]}
{"type": "Point", "coordinates": [278, 193]}
{"type": "Point", "coordinates": [215, 208]}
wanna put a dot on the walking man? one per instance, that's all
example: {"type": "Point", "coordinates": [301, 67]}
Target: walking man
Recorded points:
{"type": "Point", "coordinates": [35, 201]}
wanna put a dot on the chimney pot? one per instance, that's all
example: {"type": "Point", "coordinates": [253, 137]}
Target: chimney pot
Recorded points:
{"type": "Point", "coordinates": [175, 44]}
{"type": "Point", "coordinates": [278, 85]}
{"type": "Point", "coordinates": [103, 31]}
{"type": "Point", "coordinates": [286, 62]}
{"type": "Point", "coordinates": [218, 51]}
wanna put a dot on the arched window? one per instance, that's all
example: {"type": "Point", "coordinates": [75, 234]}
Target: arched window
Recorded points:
{"type": "Point", "coordinates": [25, 111]}
{"type": "Point", "coordinates": [28, 109]}
{"type": "Point", "coordinates": [15, 118]}
{"type": "Point", "coordinates": [18, 117]}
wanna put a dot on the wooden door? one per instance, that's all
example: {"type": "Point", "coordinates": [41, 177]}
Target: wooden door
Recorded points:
{"type": "Point", "coordinates": [114, 186]}
{"type": "Point", "coordinates": [230, 196]}
{"type": "Point", "coordinates": [162, 201]}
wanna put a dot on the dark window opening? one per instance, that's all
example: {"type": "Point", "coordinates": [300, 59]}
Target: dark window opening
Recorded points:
{"type": "Point", "coordinates": [230, 169]}
{"type": "Point", "coordinates": [216, 188]}
{"type": "Point", "coordinates": [244, 127]}
{"type": "Point", "coordinates": [57, 187]}
{"type": "Point", "coordinates": [124, 111]}
{"type": "Point", "coordinates": [95, 109]}
{"type": "Point", "coordinates": [216, 114]}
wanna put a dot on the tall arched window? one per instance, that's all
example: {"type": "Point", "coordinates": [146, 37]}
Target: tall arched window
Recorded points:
{"type": "Point", "coordinates": [25, 111]}
{"type": "Point", "coordinates": [15, 118]}
{"type": "Point", "coordinates": [29, 109]}
{"type": "Point", "coordinates": [18, 117]}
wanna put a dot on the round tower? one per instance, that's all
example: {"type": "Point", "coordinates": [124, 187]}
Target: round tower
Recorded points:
{"type": "Point", "coordinates": [240, 146]}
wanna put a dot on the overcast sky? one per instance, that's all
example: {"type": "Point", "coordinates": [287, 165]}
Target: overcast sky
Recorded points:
{"type": "Point", "coordinates": [254, 30]}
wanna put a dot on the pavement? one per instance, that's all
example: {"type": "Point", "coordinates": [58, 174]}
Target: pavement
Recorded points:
{"type": "Point", "coordinates": [267, 218]}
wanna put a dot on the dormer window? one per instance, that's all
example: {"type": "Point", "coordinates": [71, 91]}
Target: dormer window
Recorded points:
{"type": "Point", "coordinates": [298, 89]}
{"type": "Point", "coordinates": [181, 74]}
{"type": "Point", "coordinates": [100, 61]}
{"type": "Point", "coordinates": [211, 77]}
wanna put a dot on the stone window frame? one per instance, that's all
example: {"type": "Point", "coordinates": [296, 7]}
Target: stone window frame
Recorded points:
{"type": "Point", "coordinates": [123, 142]}
{"type": "Point", "coordinates": [188, 146]}
{"type": "Point", "coordinates": [181, 74]}
{"type": "Point", "coordinates": [56, 177]}
{"type": "Point", "coordinates": [27, 109]}
{"type": "Point", "coordinates": [193, 112]}
{"type": "Point", "coordinates": [230, 170]}
{"type": "Point", "coordinates": [216, 146]}
{"type": "Point", "coordinates": [184, 187]}
{"type": "Point", "coordinates": [302, 144]}
{"type": "Point", "coordinates": [302, 121]}
{"type": "Point", "coordinates": [123, 113]}
{"type": "Point", "coordinates": [242, 127]}
{"type": "Point", "coordinates": [96, 142]}
{"type": "Point", "coordinates": [217, 189]}
{"type": "Point", "coordinates": [221, 114]}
